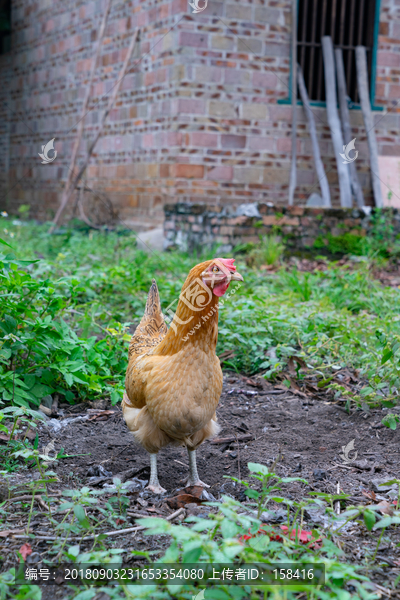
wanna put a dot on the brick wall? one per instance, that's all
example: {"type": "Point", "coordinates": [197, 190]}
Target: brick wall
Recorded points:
{"type": "Point", "coordinates": [197, 118]}
{"type": "Point", "coordinates": [190, 227]}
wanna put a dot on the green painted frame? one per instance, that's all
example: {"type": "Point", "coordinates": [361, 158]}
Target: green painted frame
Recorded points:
{"type": "Point", "coordinates": [352, 106]}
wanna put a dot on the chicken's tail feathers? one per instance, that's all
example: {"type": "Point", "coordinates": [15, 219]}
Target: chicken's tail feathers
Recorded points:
{"type": "Point", "coordinates": [152, 328]}
{"type": "Point", "coordinates": [153, 304]}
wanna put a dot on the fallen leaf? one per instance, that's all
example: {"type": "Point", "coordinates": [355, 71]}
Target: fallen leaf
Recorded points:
{"type": "Point", "coordinates": [189, 495]}
{"type": "Point", "coordinates": [385, 508]}
{"type": "Point", "coordinates": [8, 532]}
{"type": "Point", "coordinates": [182, 500]}
{"type": "Point", "coordinates": [252, 382]}
{"type": "Point", "coordinates": [369, 494]}
{"type": "Point", "coordinates": [25, 550]}
{"type": "Point", "coordinates": [101, 414]}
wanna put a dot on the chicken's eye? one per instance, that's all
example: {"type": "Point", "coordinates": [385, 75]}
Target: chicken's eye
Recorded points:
{"type": "Point", "coordinates": [215, 270]}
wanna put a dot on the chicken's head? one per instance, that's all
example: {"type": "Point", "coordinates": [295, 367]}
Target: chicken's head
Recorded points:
{"type": "Point", "coordinates": [218, 275]}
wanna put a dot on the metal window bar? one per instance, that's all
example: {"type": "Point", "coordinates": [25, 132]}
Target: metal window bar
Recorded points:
{"type": "Point", "coordinates": [350, 23]}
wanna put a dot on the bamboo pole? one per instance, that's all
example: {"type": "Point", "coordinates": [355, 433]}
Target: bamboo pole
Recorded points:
{"type": "Point", "coordinates": [345, 117]}
{"type": "Point", "coordinates": [362, 83]}
{"type": "Point", "coordinates": [319, 166]}
{"type": "Point", "coordinates": [334, 121]}
{"type": "Point", "coordinates": [293, 174]}
{"type": "Point", "coordinates": [68, 189]}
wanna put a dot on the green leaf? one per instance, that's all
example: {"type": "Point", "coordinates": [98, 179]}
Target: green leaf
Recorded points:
{"type": "Point", "coordinates": [5, 244]}
{"type": "Point", "coordinates": [257, 468]}
{"type": "Point", "coordinates": [391, 421]}
{"type": "Point", "coordinates": [79, 512]}
{"type": "Point", "coordinates": [192, 556]}
{"type": "Point", "coordinates": [386, 356]}
{"type": "Point", "coordinates": [40, 391]}
{"type": "Point", "coordinates": [259, 543]}
{"type": "Point", "coordinates": [369, 519]}
{"type": "Point", "coordinates": [229, 529]}
{"type": "Point", "coordinates": [386, 522]}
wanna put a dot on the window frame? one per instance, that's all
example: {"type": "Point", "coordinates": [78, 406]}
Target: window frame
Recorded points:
{"type": "Point", "coordinates": [352, 105]}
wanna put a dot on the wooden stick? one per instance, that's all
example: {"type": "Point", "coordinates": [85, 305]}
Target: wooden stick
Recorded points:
{"type": "Point", "coordinates": [334, 121]}
{"type": "Point", "coordinates": [319, 165]}
{"type": "Point", "coordinates": [362, 83]}
{"type": "Point", "coordinates": [233, 438]}
{"type": "Point", "coordinates": [68, 189]}
{"type": "Point", "coordinates": [293, 174]}
{"type": "Point", "coordinates": [345, 117]}
{"type": "Point", "coordinates": [337, 503]}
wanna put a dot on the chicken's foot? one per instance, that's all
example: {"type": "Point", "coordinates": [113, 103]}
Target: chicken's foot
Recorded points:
{"type": "Point", "coordinates": [154, 485]}
{"type": "Point", "coordinates": [194, 478]}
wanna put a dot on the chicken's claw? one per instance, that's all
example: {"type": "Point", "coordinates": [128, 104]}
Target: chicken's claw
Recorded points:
{"type": "Point", "coordinates": [194, 482]}
{"type": "Point", "coordinates": [156, 489]}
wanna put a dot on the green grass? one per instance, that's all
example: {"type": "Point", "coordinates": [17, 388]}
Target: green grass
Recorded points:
{"type": "Point", "coordinates": [65, 318]}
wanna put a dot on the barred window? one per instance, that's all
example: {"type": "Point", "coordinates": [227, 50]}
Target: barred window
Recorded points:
{"type": "Point", "coordinates": [5, 26]}
{"type": "Point", "coordinates": [350, 23]}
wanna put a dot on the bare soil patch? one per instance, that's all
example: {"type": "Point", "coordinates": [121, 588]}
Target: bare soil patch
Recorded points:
{"type": "Point", "coordinates": [306, 430]}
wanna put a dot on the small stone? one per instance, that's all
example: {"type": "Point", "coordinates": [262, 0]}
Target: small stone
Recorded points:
{"type": "Point", "coordinates": [320, 474]}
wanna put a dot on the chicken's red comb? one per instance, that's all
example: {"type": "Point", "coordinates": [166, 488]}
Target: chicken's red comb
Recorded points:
{"type": "Point", "coordinates": [228, 263]}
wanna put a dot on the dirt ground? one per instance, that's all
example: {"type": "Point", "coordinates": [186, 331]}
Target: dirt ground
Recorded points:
{"type": "Point", "coordinates": [305, 430]}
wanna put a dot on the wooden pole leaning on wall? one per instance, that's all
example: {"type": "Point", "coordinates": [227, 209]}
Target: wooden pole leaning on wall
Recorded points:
{"type": "Point", "coordinates": [363, 92]}
{"type": "Point", "coordinates": [334, 121]}
{"type": "Point", "coordinates": [345, 117]}
{"type": "Point", "coordinates": [293, 87]}
{"type": "Point", "coordinates": [319, 166]}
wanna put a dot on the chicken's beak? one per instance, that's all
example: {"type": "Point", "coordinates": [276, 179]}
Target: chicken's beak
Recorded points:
{"type": "Point", "coordinates": [236, 277]}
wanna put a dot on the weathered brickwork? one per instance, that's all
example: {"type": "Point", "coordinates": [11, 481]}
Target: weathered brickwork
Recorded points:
{"type": "Point", "coordinates": [197, 118]}
{"type": "Point", "coordinates": [193, 227]}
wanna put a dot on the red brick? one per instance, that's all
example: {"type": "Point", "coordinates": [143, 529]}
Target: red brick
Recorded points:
{"type": "Point", "coordinates": [164, 170]}
{"type": "Point", "coordinates": [233, 141]}
{"type": "Point", "coordinates": [221, 173]}
{"type": "Point", "coordinates": [197, 40]}
{"type": "Point", "coordinates": [394, 90]}
{"type": "Point", "coordinates": [191, 106]}
{"type": "Point", "coordinates": [188, 171]}
{"type": "Point", "coordinates": [204, 140]}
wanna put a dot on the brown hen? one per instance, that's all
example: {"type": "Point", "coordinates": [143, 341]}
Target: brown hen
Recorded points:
{"type": "Point", "coordinates": [174, 378]}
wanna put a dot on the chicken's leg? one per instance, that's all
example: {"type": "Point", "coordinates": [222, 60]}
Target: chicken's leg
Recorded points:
{"type": "Point", "coordinates": [154, 484]}
{"type": "Point", "coordinates": [194, 478]}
